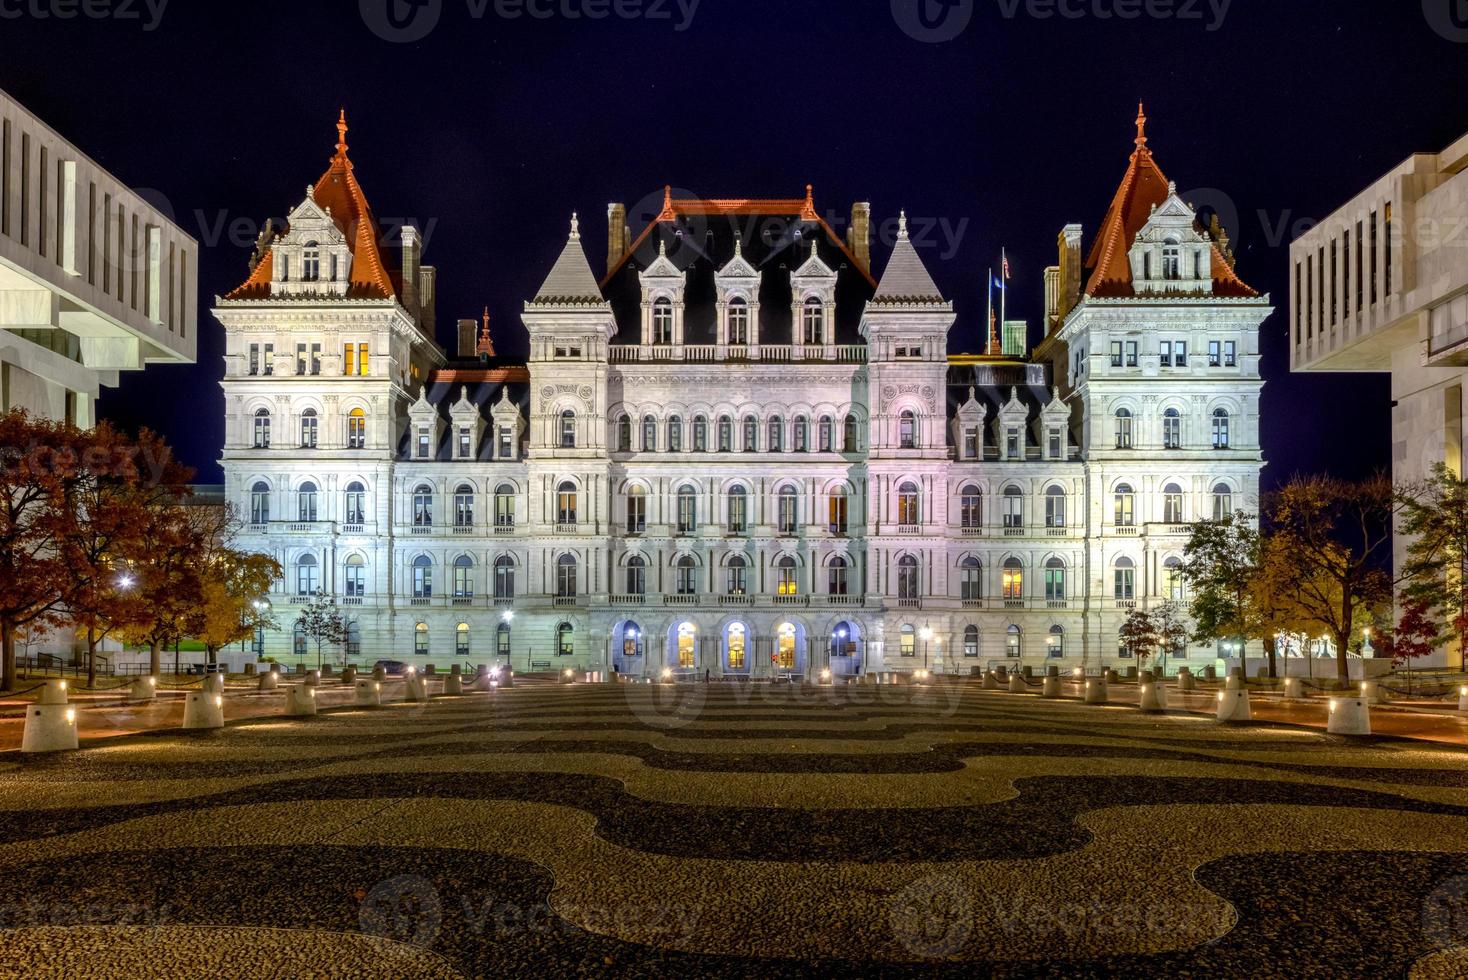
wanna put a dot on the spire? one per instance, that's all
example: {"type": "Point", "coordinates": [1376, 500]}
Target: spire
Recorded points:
{"type": "Point", "coordinates": [570, 280]}
{"type": "Point", "coordinates": [1141, 127]}
{"type": "Point", "coordinates": [575, 227]}
{"type": "Point", "coordinates": [905, 281]}
{"type": "Point", "coordinates": [902, 226]}
{"type": "Point", "coordinates": [485, 347]}
{"type": "Point", "coordinates": [667, 213]}
{"type": "Point", "coordinates": [341, 139]}
{"type": "Point", "coordinates": [808, 208]}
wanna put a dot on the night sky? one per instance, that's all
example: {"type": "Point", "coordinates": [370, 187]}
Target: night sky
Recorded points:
{"type": "Point", "coordinates": [491, 130]}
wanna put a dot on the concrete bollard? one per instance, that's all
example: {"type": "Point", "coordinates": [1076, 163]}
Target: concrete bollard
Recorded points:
{"type": "Point", "coordinates": [349, 675]}
{"type": "Point", "coordinates": [1028, 671]}
{"type": "Point", "coordinates": [1096, 692]}
{"type": "Point", "coordinates": [1463, 698]}
{"type": "Point", "coordinates": [991, 681]}
{"type": "Point", "coordinates": [275, 669]}
{"type": "Point", "coordinates": [213, 684]}
{"type": "Point", "coordinates": [266, 682]}
{"type": "Point", "coordinates": [1233, 683]}
{"type": "Point", "coordinates": [416, 685]}
{"type": "Point", "coordinates": [1373, 692]}
{"type": "Point", "coordinates": [507, 677]}
{"type": "Point", "coordinates": [203, 709]}
{"type": "Point", "coordinates": [1017, 684]}
{"type": "Point", "coordinates": [249, 670]}
{"type": "Point", "coordinates": [326, 670]}
{"type": "Point", "coordinates": [300, 701]}
{"type": "Point", "coordinates": [1186, 681]}
{"type": "Point", "coordinates": [50, 723]}
{"type": "Point", "coordinates": [379, 673]}
{"type": "Point", "coordinates": [1349, 716]}
{"type": "Point", "coordinates": [1152, 696]}
{"type": "Point", "coordinates": [1294, 689]}
{"type": "Point", "coordinates": [454, 683]}
{"type": "Point", "coordinates": [483, 678]}
{"type": "Point", "coordinates": [311, 679]}
{"type": "Point", "coordinates": [1233, 706]}
{"type": "Point", "coordinates": [143, 689]}
{"type": "Point", "coordinates": [430, 671]}
{"type": "Point", "coordinates": [368, 693]}
{"type": "Point", "coordinates": [1050, 686]}
{"type": "Point", "coordinates": [1112, 677]}
{"type": "Point", "coordinates": [300, 670]}
{"type": "Point", "coordinates": [1130, 673]}
{"type": "Point", "coordinates": [1210, 673]}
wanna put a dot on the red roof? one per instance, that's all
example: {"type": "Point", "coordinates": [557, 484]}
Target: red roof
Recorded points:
{"type": "Point", "coordinates": [338, 191]}
{"type": "Point", "coordinates": [1143, 188]}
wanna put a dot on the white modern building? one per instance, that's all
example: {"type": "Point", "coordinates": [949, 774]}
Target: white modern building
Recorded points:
{"type": "Point", "coordinates": [741, 449]}
{"type": "Point", "coordinates": [94, 281]}
{"type": "Point", "coordinates": [1381, 285]}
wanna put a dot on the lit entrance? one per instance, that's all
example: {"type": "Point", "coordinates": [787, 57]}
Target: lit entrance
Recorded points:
{"type": "Point", "coordinates": [687, 633]}
{"type": "Point", "coordinates": [737, 637]}
{"type": "Point", "coordinates": [785, 648]}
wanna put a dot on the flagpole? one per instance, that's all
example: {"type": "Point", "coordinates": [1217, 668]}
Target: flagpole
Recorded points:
{"type": "Point", "coordinates": [989, 320]}
{"type": "Point", "coordinates": [1003, 296]}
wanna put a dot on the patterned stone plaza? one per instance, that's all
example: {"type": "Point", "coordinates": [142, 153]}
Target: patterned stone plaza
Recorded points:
{"type": "Point", "coordinates": [712, 830]}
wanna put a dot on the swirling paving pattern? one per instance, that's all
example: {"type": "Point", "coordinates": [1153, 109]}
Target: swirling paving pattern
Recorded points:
{"type": "Point", "coordinates": [711, 831]}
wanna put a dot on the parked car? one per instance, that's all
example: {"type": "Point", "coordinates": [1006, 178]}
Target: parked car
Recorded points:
{"type": "Point", "coordinates": [392, 666]}
{"type": "Point", "coordinates": [205, 669]}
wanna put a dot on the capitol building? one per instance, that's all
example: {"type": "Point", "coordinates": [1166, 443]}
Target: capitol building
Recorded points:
{"type": "Point", "coordinates": [741, 446]}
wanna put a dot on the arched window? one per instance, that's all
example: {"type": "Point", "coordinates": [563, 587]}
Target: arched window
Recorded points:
{"type": "Point", "coordinates": [838, 507]}
{"type": "Point", "coordinates": [700, 434]}
{"type": "Point", "coordinates": [800, 435]}
{"type": "Point", "coordinates": [354, 578]}
{"type": "Point", "coordinates": [1014, 508]}
{"type": "Point", "coordinates": [636, 510]}
{"type": "Point", "coordinates": [788, 510]}
{"type": "Point", "coordinates": [309, 428]}
{"type": "Point", "coordinates": [504, 506]}
{"type": "Point", "coordinates": [1055, 507]}
{"type": "Point", "coordinates": [502, 641]}
{"type": "Point", "coordinates": [306, 502]}
{"type": "Point", "coordinates": [624, 434]}
{"type": "Point", "coordinates": [420, 639]}
{"type": "Point", "coordinates": [568, 430]}
{"type": "Point", "coordinates": [687, 510]}
{"type": "Point", "coordinates": [262, 428]}
{"type": "Point", "coordinates": [1223, 501]}
{"type": "Point", "coordinates": [907, 578]}
{"type": "Point", "coordinates": [662, 321]}
{"type": "Point", "coordinates": [687, 656]}
{"type": "Point", "coordinates": [1012, 580]}
{"type": "Point", "coordinates": [971, 507]}
{"type": "Point", "coordinates": [775, 443]}
{"type": "Point", "coordinates": [649, 434]}
{"type": "Point", "coordinates": [1171, 260]}
{"type": "Point", "coordinates": [738, 322]}
{"type": "Point", "coordinates": [1123, 428]}
{"type": "Point", "coordinates": [355, 501]}
{"type": "Point", "coordinates": [837, 576]}
{"type": "Point", "coordinates": [631, 640]}
{"type": "Point", "coordinates": [566, 503]}
{"type": "Point", "coordinates": [737, 640]}
{"type": "Point", "coordinates": [356, 429]}
{"type": "Point", "coordinates": [566, 577]}
{"type": "Point", "coordinates": [787, 579]}
{"type": "Point", "coordinates": [1172, 429]}
{"type": "Point", "coordinates": [1055, 643]}
{"type": "Point", "coordinates": [907, 430]}
{"type": "Point", "coordinates": [464, 506]}
{"type": "Point", "coordinates": [636, 575]}
{"type": "Point", "coordinates": [565, 640]}
{"type": "Point", "coordinates": [814, 319]}
{"type": "Point", "coordinates": [423, 506]}
{"type": "Point", "coordinates": [1125, 506]}
{"type": "Point", "coordinates": [826, 435]}
{"type": "Point", "coordinates": [1172, 579]}
{"type": "Point", "coordinates": [1220, 428]}
{"type": "Point", "coordinates": [1125, 574]}
{"type": "Point", "coordinates": [461, 641]}
{"type": "Point", "coordinates": [971, 579]}
{"type": "Point", "coordinates": [260, 503]}
{"type": "Point", "coordinates": [308, 575]}
{"type": "Point", "coordinates": [1012, 643]}
{"type": "Point", "coordinates": [1172, 504]}
{"type": "Point", "coordinates": [751, 434]}
{"type": "Point", "coordinates": [1054, 580]}
{"type": "Point", "coordinates": [675, 435]}
{"type": "Point", "coordinates": [686, 576]}
{"type": "Point", "coordinates": [463, 577]}
{"type": "Point", "coordinates": [504, 577]}
{"type": "Point", "coordinates": [971, 642]}
{"type": "Point", "coordinates": [422, 577]}
{"type": "Point", "coordinates": [726, 434]}
{"type": "Point", "coordinates": [310, 262]}
{"type": "Point", "coordinates": [737, 575]}
{"type": "Point", "coordinates": [907, 640]}
{"type": "Point", "coordinates": [784, 658]}
{"type": "Point", "coordinates": [843, 640]}
{"type": "Point", "coordinates": [848, 435]}
{"type": "Point", "coordinates": [738, 505]}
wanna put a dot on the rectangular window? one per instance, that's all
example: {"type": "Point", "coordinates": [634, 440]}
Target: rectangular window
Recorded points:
{"type": "Point", "coordinates": [1012, 444]}
{"type": "Point", "coordinates": [349, 359]}
{"type": "Point", "coordinates": [1360, 249]}
{"type": "Point", "coordinates": [1056, 444]}
{"type": "Point", "coordinates": [1346, 274]}
{"type": "Point", "coordinates": [1116, 353]}
{"type": "Point", "coordinates": [1334, 282]}
{"type": "Point", "coordinates": [1215, 353]}
{"type": "Point", "coordinates": [315, 358]}
{"type": "Point", "coordinates": [1387, 245]}
{"type": "Point", "coordinates": [422, 443]}
{"type": "Point", "coordinates": [464, 442]}
{"type": "Point", "coordinates": [1131, 353]}
{"type": "Point", "coordinates": [1165, 349]}
{"type": "Point", "coordinates": [1230, 354]}
{"type": "Point", "coordinates": [1180, 353]}
{"type": "Point", "coordinates": [300, 359]}
{"type": "Point", "coordinates": [1299, 304]}
{"type": "Point", "coordinates": [254, 359]}
{"type": "Point", "coordinates": [505, 451]}
{"type": "Point", "coordinates": [1373, 257]}
{"type": "Point", "coordinates": [971, 443]}
{"type": "Point", "coordinates": [1308, 290]}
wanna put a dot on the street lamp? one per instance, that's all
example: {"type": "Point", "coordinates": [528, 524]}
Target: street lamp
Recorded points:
{"type": "Point", "coordinates": [927, 634]}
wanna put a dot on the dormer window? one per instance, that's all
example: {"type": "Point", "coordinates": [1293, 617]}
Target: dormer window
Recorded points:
{"type": "Point", "coordinates": [662, 322]}
{"type": "Point", "coordinates": [738, 323]}
{"type": "Point", "coordinates": [1171, 260]}
{"type": "Point", "coordinates": [814, 320]}
{"type": "Point", "coordinates": [310, 262]}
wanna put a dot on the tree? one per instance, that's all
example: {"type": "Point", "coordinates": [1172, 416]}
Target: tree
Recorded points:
{"type": "Point", "coordinates": [1435, 519]}
{"type": "Point", "coordinates": [322, 622]}
{"type": "Point", "coordinates": [1139, 635]}
{"type": "Point", "coordinates": [1220, 565]}
{"type": "Point", "coordinates": [1417, 634]}
{"type": "Point", "coordinates": [232, 585]}
{"type": "Point", "coordinates": [1339, 534]}
{"type": "Point", "coordinates": [167, 584]}
{"type": "Point", "coordinates": [39, 464]}
{"type": "Point", "coordinates": [1172, 630]}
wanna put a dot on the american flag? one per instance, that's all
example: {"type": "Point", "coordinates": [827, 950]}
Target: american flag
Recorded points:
{"type": "Point", "coordinates": [1006, 268]}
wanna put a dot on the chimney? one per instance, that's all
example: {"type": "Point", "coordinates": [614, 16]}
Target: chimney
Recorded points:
{"type": "Point", "coordinates": [859, 235]}
{"type": "Point", "coordinates": [428, 299]}
{"type": "Point", "coordinates": [616, 234]}
{"type": "Point", "coordinates": [1070, 269]}
{"type": "Point", "coordinates": [468, 336]}
{"type": "Point", "coordinates": [412, 254]}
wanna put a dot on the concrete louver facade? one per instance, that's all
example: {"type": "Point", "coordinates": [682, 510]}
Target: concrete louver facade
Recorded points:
{"type": "Point", "coordinates": [738, 452]}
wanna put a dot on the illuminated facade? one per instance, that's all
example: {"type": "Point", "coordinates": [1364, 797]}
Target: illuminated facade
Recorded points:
{"type": "Point", "coordinates": [738, 452]}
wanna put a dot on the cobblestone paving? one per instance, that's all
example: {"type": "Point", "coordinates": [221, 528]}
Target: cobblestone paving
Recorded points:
{"type": "Point", "coordinates": [734, 831]}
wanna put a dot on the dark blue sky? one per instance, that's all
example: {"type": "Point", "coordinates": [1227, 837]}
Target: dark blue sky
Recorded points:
{"type": "Point", "coordinates": [490, 130]}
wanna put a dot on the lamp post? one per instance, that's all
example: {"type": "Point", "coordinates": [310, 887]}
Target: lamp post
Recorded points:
{"type": "Point", "coordinates": [927, 634]}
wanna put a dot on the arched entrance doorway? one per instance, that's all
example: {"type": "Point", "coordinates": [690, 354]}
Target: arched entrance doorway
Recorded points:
{"type": "Point", "coordinates": [684, 653]}
{"type": "Point", "coordinates": [845, 650]}
{"type": "Point", "coordinates": [737, 650]}
{"type": "Point", "coordinates": [788, 655]}
{"type": "Point", "coordinates": [627, 649]}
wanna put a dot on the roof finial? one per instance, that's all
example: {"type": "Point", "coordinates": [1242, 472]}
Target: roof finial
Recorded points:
{"type": "Point", "coordinates": [341, 133]}
{"type": "Point", "coordinates": [1141, 127]}
{"type": "Point", "coordinates": [667, 212]}
{"type": "Point", "coordinates": [738, 245]}
{"type": "Point", "coordinates": [662, 246]}
{"type": "Point", "coordinates": [902, 226]}
{"type": "Point", "coordinates": [485, 347]}
{"type": "Point", "coordinates": [575, 227]}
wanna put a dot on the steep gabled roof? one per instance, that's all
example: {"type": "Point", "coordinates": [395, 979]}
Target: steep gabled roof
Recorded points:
{"type": "Point", "coordinates": [571, 280]}
{"type": "Point", "coordinates": [906, 281]}
{"type": "Point", "coordinates": [338, 191]}
{"type": "Point", "coordinates": [1143, 188]}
